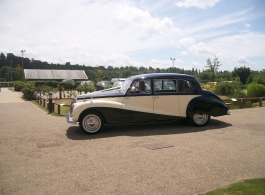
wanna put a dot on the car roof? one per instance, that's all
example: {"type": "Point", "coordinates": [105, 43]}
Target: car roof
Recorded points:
{"type": "Point", "coordinates": [161, 75]}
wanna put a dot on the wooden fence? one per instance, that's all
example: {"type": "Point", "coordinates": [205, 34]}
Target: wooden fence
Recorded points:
{"type": "Point", "coordinates": [242, 102]}
{"type": "Point", "coordinates": [239, 102]}
{"type": "Point", "coordinates": [45, 103]}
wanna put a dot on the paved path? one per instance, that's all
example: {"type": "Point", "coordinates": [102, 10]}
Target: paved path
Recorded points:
{"type": "Point", "coordinates": [7, 96]}
{"type": "Point", "coordinates": [42, 154]}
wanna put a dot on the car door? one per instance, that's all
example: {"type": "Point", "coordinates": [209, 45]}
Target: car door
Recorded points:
{"type": "Point", "coordinates": [138, 102]}
{"type": "Point", "coordinates": [166, 99]}
{"type": "Point", "coordinates": [186, 94]}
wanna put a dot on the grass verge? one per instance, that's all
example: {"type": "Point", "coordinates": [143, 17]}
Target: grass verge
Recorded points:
{"type": "Point", "coordinates": [64, 110]}
{"type": "Point", "coordinates": [246, 187]}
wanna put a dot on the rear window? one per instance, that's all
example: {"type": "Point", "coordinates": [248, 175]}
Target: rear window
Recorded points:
{"type": "Point", "coordinates": [185, 86]}
{"type": "Point", "coordinates": [164, 85]}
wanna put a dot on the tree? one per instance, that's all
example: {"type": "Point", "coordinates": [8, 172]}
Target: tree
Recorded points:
{"type": "Point", "coordinates": [213, 67]}
{"type": "Point", "coordinates": [243, 73]}
{"type": "Point", "coordinates": [19, 75]}
{"type": "Point", "coordinates": [99, 75]}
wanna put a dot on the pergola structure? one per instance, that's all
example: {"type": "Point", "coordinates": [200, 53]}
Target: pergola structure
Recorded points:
{"type": "Point", "coordinates": [41, 74]}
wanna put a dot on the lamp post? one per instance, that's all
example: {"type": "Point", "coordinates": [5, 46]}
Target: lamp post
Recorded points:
{"type": "Point", "coordinates": [22, 51]}
{"type": "Point", "coordinates": [173, 59]}
{"type": "Point", "coordinates": [9, 72]}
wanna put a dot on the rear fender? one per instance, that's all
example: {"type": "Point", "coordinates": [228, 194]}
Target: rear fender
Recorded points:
{"type": "Point", "coordinates": [206, 105]}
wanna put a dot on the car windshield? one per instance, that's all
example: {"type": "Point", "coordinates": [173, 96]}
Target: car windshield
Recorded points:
{"type": "Point", "coordinates": [126, 85]}
{"type": "Point", "coordinates": [106, 83]}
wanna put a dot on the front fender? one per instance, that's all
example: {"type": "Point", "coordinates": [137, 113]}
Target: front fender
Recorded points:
{"type": "Point", "coordinates": [206, 105]}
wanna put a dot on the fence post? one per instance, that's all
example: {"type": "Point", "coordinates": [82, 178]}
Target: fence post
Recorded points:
{"type": "Point", "coordinates": [60, 92]}
{"type": "Point", "coordinates": [50, 102]}
{"type": "Point", "coordinates": [53, 106]}
{"type": "Point", "coordinates": [241, 103]}
{"type": "Point", "coordinates": [59, 107]}
{"type": "Point", "coordinates": [260, 102]}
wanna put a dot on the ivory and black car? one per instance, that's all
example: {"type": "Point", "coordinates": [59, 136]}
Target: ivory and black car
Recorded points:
{"type": "Point", "coordinates": [147, 97]}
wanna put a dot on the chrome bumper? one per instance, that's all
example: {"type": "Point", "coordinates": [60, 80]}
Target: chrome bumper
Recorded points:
{"type": "Point", "coordinates": [69, 119]}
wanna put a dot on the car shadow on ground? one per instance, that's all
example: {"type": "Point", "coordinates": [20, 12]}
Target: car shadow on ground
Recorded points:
{"type": "Point", "coordinates": [145, 129]}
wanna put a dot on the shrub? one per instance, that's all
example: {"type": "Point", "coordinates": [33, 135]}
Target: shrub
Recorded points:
{"type": "Point", "coordinates": [18, 85]}
{"type": "Point", "coordinates": [68, 85]}
{"type": "Point", "coordinates": [53, 84]}
{"type": "Point", "coordinates": [256, 90]}
{"type": "Point", "coordinates": [232, 89]}
{"type": "Point", "coordinates": [28, 91]}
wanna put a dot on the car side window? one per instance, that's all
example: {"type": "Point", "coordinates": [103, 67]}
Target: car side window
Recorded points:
{"type": "Point", "coordinates": [140, 87]}
{"type": "Point", "coordinates": [164, 86]}
{"type": "Point", "coordinates": [185, 86]}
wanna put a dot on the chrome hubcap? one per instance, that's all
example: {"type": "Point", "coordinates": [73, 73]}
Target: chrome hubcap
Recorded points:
{"type": "Point", "coordinates": [91, 123]}
{"type": "Point", "coordinates": [200, 119]}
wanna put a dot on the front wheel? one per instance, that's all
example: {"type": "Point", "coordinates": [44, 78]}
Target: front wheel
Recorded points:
{"type": "Point", "coordinates": [91, 122]}
{"type": "Point", "coordinates": [199, 119]}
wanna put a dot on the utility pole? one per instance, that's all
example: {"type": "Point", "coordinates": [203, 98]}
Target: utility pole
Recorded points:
{"type": "Point", "coordinates": [173, 59]}
{"type": "Point", "coordinates": [22, 51]}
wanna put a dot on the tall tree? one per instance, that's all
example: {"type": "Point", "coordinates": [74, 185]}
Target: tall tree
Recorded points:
{"type": "Point", "coordinates": [243, 73]}
{"type": "Point", "coordinates": [212, 67]}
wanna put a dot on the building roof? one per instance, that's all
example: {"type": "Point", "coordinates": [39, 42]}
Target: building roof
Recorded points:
{"type": "Point", "coordinates": [42, 74]}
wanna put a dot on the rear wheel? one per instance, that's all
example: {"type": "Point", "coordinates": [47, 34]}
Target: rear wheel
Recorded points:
{"type": "Point", "coordinates": [91, 122]}
{"type": "Point", "coordinates": [199, 119]}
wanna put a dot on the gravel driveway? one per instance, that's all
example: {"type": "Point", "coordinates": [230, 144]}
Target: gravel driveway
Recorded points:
{"type": "Point", "coordinates": [42, 154]}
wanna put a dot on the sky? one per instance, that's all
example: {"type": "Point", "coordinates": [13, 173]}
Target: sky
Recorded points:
{"type": "Point", "coordinates": [148, 33]}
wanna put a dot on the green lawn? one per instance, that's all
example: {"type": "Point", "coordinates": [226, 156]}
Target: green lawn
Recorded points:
{"type": "Point", "coordinates": [63, 109]}
{"type": "Point", "coordinates": [246, 187]}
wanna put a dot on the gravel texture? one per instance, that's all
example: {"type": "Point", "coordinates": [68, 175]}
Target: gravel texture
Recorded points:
{"type": "Point", "coordinates": [42, 154]}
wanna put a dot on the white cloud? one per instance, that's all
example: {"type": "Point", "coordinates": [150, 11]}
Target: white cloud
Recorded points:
{"type": "Point", "coordinates": [160, 64]}
{"type": "Point", "coordinates": [54, 42]}
{"type": "Point", "coordinates": [250, 44]}
{"type": "Point", "coordinates": [217, 25]}
{"type": "Point", "coordinates": [184, 53]}
{"type": "Point", "coordinates": [247, 25]}
{"type": "Point", "coordinates": [11, 25]}
{"type": "Point", "coordinates": [241, 60]}
{"type": "Point", "coordinates": [203, 4]}
{"type": "Point", "coordinates": [144, 22]}
{"type": "Point", "coordinates": [200, 48]}
{"type": "Point", "coordinates": [129, 32]}
{"type": "Point", "coordinates": [197, 65]}
{"type": "Point", "coordinates": [187, 42]}
{"type": "Point", "coordinates": [246, 29]}
{"type": "Point", "coordinates": [163, 64]}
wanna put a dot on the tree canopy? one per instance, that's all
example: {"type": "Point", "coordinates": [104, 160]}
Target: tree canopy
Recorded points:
{"type": "Point", "coordinates": [11, 70]}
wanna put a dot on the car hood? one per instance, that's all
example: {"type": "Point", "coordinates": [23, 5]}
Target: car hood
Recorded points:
{"type": "Point", "coordinates": [101, 94]}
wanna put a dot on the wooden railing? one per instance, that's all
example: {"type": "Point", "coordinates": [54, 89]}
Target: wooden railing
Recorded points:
{"type": "Point", "coordinates": [44, 102]}
{"type": "Point", "coordinates": [241, 102]}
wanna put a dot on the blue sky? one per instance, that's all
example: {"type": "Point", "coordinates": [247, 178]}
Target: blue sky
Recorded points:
{"type": "Point", "coordinates": [136, 33]}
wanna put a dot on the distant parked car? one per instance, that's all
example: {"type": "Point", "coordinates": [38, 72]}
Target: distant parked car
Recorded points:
{"type": "Point", "coordinates": [210, 85]}
{"type": "Point", "coordinates": [147, 97]}
{"type": "Point", "coordinates": [68, 80]}
{"type": "Point", "coordinates": [101, 85]}
{"type": "Point", "coordinates": [118, 83]}
{"type": "Point", "coordinates": [86, 82]}
{"type": "Point", "coordinates": [117, 79]}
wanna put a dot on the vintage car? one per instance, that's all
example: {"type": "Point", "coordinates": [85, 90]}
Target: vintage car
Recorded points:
{"type": "Point", "coordinates": [103, 85]}
{"type": "Point", "coordinates": [147, 97]}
